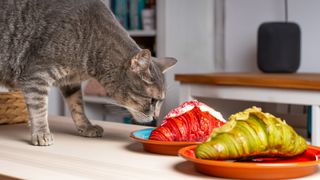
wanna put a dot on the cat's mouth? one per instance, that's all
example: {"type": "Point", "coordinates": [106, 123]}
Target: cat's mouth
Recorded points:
{"type": "Point", "coordinates": [141, 117]}
{"type": "Point", "coordinates": [137, 115]}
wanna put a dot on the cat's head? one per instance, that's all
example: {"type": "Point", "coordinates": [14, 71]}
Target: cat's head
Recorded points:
{"type": "Point", "coordinates": [143, 88]}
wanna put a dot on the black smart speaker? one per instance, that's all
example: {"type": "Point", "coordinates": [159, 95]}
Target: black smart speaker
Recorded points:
{"type": "Point", "coordinates": [279, 47]}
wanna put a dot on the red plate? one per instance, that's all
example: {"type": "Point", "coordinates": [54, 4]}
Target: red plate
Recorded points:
{"type": "Point", "coordinates": [159, 147]}
{"type": "Point", "coordinates": [260, 168]}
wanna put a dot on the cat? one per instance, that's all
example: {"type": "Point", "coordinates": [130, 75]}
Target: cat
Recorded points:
{"type": "Point", "coordinates": [64, 42]}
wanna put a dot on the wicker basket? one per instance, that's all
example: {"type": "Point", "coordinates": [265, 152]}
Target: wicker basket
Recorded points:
{"type": "Point", "coordinates": [12, 108]}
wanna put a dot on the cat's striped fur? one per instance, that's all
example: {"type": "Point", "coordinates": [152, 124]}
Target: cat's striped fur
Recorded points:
{"type": "Point", "coordinates": [60, 43]}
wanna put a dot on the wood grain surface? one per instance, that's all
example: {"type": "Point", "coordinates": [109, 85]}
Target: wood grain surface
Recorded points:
{"type": "Point", "coordinates": [307, 81]}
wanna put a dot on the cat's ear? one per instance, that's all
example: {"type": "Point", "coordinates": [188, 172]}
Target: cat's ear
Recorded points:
{"type": "Point", "coordinates": [140, 65]}
{"type": "Point", "coordinates": [165, 63]}
{"type": "Point", "coordinates": [141, 61]}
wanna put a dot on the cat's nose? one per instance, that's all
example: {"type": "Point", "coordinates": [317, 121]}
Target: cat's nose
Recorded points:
{"type": "Point", "coordinates": [154, 122]}
{"type": "Point", "coordinates": [155, 116]}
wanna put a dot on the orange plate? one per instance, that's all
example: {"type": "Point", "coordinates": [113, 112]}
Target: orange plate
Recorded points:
{"type": "Point", "coordinates": [260, 168]}
{"type": "Point", "coordinates": [159, 147]}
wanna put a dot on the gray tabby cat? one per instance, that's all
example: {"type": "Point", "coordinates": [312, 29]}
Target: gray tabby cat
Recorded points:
{"type": "Point", "coordinates": [60, 43]}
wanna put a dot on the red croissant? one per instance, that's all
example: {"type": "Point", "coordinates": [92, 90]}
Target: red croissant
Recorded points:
{"type": "Point", "coordinates": [192, 121]}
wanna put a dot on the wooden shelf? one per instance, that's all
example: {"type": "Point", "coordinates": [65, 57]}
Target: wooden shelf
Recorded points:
{"type": "Point", "coordinates": [142, 33]}
{"type": "Point", "coordinates": [304, 81]}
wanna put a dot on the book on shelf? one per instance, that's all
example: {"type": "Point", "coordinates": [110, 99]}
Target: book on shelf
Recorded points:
{"type": "Point", "coordinates": [129, 12]}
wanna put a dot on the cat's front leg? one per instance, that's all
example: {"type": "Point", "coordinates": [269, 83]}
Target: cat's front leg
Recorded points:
{"type": "Point", "coordinates": [36, 98]}
{"type": "Point", "coordinates": [73, 96]}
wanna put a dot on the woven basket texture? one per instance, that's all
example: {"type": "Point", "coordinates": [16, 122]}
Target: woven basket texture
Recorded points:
{"type": "Point", "coordinates": [12, 108]}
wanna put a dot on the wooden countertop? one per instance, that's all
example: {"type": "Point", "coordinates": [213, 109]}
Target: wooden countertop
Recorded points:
{"type": "Point", "coordinates": [114, 156]}
{"type": "Point", "coordinates": [306, 81]}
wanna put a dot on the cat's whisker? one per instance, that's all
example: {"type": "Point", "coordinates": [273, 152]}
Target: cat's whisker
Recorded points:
{"type": "Point", "coordinates": [170, 87]}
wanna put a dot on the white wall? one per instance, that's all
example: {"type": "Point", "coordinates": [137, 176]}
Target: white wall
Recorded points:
{"type": "Point", "coordinates": [241, 23]}
{"type": "Point", "coordinates": [307, 14]}
{"type": "Point", "coordinates": [243, 19]}
{"type": "Point", "coordinates": [185, 31]}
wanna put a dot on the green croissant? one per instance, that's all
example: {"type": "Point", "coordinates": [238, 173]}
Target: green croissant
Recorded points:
{"type": "Point", "coordinates": [251, 134]}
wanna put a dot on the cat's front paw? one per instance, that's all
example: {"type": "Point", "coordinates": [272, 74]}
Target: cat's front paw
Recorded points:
{"type": "Point", "coordinates": [42, 139]}
{"type": "Point", "coordinates": [91, 131]}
